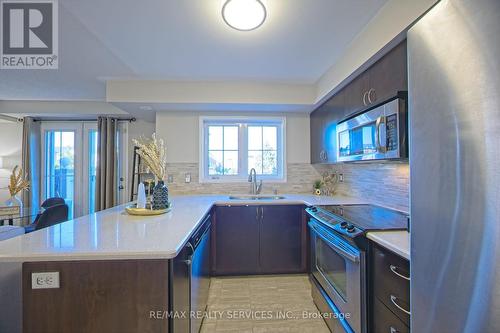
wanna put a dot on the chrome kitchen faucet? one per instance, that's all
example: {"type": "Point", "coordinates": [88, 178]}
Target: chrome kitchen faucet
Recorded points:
{"type": "Point", "coordinates": [252, 178]}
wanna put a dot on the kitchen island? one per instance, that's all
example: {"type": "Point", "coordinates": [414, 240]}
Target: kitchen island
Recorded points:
{"type": "Point", "coordinates": [115, 241]}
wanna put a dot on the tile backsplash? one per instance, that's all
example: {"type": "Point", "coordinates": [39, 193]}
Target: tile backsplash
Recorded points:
{"type": "Point", "coordinates": [300, 177]}
{"type": "Point", "coordinates": [380, 183]}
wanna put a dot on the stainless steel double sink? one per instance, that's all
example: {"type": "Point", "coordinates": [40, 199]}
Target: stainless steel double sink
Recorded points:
{"type": "Point", "coordinates": [256, 197]}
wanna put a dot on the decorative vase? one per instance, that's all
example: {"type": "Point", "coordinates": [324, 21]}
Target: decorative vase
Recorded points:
{"type": "Point", "coordinates": [160, 195]}
{"type": "Point", "coordinates": [14, 201]}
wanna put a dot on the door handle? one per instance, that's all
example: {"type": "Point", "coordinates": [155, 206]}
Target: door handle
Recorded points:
{"type": "Point", "coordinates": [336, 246]}
{"type": "Point", "coordinates": [394, 269]}
{"type": "Point", "coordinates": [394, 301]}
{"type": "Point", "coordinates": [369, 94]}
{"type": "Point", "coordinates": [364, 98]}
{"type": "Point", "coordinates": [261, 213]}
{"type": "Point", "coordinates": [379, 122]}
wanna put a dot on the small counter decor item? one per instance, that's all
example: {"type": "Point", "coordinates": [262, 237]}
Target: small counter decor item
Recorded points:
{"type": "Point", "coordinates": [148, 211]}
{"type": "Point", "coordinates": [317, 187]}
{"type": "Point", "coordinates": [17, 184]}
{"type": "Point", "coordinates": [330, 182]}
{"type": "Point", "coordinates": [160, 195]}
{"type": "Point", "coordinates": [153, 153]}
{"type": "Point", "coordinates": [141, 196]}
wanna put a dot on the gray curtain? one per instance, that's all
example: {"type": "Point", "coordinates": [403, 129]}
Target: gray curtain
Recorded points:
{"type": "Point", "coordinates": [106, 187]}
{"type": "Point", "coordinates": [32, 151]}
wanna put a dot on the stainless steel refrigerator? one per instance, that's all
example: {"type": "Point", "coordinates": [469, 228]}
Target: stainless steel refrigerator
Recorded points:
{"type": "Point", "coordinates": [454, 107]}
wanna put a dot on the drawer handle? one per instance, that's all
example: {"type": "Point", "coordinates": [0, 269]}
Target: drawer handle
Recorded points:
{"type": "Point", "coordinates": [394, 301]}
{"type": "Point", "coordinates": [394, 330]}
{"type": "Point", "coordinates": [394, 269]}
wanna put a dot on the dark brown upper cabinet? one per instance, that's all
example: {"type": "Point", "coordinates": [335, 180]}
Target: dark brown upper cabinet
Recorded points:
{"type": "Point", "coordinates": [383, 80]}
{"type": "Point", "coordinates": [355, 93]}
{"type": "Point", "coordinates": [388, 76]}
{"type": "Point", "coordinates": [323, 129]}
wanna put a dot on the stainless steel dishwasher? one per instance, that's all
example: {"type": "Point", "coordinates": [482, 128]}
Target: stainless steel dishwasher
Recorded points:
{"type": "Point", "coordinates": [191, 281]}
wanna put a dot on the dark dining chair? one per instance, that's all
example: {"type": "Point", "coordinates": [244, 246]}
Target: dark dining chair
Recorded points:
{"type": "Point", "coordinates": [52, 202]}
{"type": "Point", "coordinates": [51, 216]}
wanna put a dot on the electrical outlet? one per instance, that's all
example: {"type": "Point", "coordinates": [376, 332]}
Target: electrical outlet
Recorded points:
{"type": "Point", "coordinates": [170, 178]}
{"type": "Point", "coordinates": [187, 178]}
{"type": "Point", "coordinates": [45, 280]}
{"type": "Point", "coordinates": [341, 177]}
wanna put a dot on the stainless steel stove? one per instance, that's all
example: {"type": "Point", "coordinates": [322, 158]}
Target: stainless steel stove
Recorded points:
{"type": "Point", "coordinates": [338, 264]}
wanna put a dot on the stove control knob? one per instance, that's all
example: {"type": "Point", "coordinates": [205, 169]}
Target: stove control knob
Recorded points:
{"type": "Point", "coordinates": [314, 209]}
{"type": "Point", "coordinates": [343, 225]}
{"type": "Point", "coordinates": [350, 228]}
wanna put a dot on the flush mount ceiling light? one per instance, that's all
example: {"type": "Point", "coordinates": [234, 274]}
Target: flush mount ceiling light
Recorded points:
{"type": "Point", "coordinates": [244, 15]}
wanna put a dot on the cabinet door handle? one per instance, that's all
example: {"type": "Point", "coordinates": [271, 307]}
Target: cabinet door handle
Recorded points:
{"type": "Point", "coordinates": [262, 213]}
{"type": "Point", "coordinates": [394, 301]}
{"type": "Point", "coordinates": [257, 215]}
{"type": "Point", "coordinates": [369, 94]}
{"type": "Point", "coordinates": [323, 155]}
{"type": "Point", "coordinates": [394, 269]}
{"type": "Point", "coordinates": [364, 98]}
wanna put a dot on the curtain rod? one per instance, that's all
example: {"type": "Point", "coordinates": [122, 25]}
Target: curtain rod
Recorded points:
{"type": "Point", "coordinates": [9, 118]}
{"type": "Point", "coordinates": [131, 120]}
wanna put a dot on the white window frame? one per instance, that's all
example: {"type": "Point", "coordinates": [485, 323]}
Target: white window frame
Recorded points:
{"type": "Point", "coordinates": [243, 123]}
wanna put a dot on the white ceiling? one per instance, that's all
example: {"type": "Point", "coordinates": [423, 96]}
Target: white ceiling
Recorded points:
{"type": "Point", "coordinates": [187, 40]}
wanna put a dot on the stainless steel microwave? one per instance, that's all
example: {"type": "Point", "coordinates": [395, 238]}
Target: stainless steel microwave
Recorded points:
{"type": "Point", "coordinates": [377, 134]}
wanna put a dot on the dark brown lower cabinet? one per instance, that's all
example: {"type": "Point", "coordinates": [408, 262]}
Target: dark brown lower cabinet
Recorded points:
{"type": "Point", "coordinates": [385, 320]}
{"type": "Point", "coordinates": [98, 296]}
{"type": "Point", "coordinates": [281, 239]}
{"type": "Point", "coordinates": [235, 232]}
{"type": "Point", "coordinates": [252, 239]}
{"type": "Point", "coordinates": [390, 291]}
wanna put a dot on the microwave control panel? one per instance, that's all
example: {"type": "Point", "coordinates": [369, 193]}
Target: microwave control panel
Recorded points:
{"type": "Point", "coordinates": [392, 132]}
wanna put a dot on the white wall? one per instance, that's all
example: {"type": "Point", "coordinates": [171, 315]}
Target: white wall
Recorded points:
{"type": "Point", "coordinates": [11, 137]}
{"type": "Point", "coordinates": [180, 130]}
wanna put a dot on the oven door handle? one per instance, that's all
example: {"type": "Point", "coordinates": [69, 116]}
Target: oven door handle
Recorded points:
{"type": "Point", "coordinates": [336, 246]}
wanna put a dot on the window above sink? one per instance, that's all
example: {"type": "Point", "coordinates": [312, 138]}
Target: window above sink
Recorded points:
{"type": "Point", "coordinates": [231, 147]}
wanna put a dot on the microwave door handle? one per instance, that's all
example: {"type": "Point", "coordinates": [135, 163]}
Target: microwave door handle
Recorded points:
{"type": "Point", "coordinates": [350, 256]}
{"type": "Point", "coordinates": [379, 122]}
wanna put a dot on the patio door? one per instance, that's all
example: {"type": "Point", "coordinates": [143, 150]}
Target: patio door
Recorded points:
{"type": "Point", "coordinates": [69, 163]}
{"type": "Point", "coordinates": [62, 164]}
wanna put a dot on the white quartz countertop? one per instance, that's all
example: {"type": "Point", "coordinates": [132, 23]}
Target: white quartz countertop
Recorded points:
{"type": "Point", "coordinates": [113, 234]}
{"type": "Point", "coordinates": [396, 241]}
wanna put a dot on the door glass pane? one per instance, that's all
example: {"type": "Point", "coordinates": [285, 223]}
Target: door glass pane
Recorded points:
{"type": "Point", "coordinates": [60, 166]}
{"type": "Point", "coordinates": [92, 170]}
{"type": "Point", "coordinates": [332, 266]}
